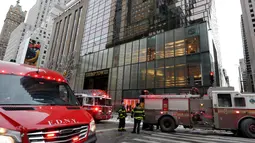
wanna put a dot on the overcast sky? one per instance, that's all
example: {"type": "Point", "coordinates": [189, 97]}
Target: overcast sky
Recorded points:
{"type": "Point", "coordinates": [228, 13]}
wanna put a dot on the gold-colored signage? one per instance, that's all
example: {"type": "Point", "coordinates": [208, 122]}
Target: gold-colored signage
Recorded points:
{"type": "Point", "coordinates": [97, 73]}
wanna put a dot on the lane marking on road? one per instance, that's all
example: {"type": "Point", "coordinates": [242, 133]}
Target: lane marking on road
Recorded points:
{"type": "Point", "coordinates": [111, 129]}
{"type": "Point", "coordinates": [166, 140]}
{"type": "Point", "coordinates": [145, 141]}
{"type": "Point", "coordinates": [213, 137]}
{"type": "Point", "coordinates": [238, 139]}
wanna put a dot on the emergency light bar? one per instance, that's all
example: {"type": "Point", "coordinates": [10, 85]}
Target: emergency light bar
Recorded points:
{"type": "Point", "coordinates": [34, 74]}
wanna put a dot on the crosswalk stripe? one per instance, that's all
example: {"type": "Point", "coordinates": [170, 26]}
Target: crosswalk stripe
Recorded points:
{"type": "Point", "coordinates": [183, 139]}
{"type": "Point", "coordinates": [167, 140]}
{"type": "Point", "coordinates": [145, 141]}
{"type": "Point", "coordinates": [226, 139]}
{"type": "Point", "coordinates": [233, 139]}
{"type": "Point", "coordinates": [207, 139]}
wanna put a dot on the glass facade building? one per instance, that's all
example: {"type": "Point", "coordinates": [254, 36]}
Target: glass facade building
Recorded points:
{"type": "Point", "coordinates": [166, 48]}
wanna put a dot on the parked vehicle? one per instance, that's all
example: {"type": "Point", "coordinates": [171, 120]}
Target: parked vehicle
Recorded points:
{"type": "Point", "coordinates": [221, 109]}
{"type": "Point", "coordinates": [37, 105]}
{"type": "Point", "coordinates": [97, 103]}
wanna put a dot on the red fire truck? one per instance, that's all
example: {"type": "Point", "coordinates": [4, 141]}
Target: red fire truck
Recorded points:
{"type": "Point", "coordinates": [97, 103]}
{"type": "Point", "coordinates": [222, 109]}
{"type": "Point", "coordinates": [37, 105]}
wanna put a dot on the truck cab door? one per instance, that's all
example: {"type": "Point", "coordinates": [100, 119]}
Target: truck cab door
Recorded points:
{"type": "Point", "coordinates": [222, 109]}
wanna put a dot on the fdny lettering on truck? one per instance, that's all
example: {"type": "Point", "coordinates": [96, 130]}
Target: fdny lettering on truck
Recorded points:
{"type": "Point", "coordinates": [62, 121]}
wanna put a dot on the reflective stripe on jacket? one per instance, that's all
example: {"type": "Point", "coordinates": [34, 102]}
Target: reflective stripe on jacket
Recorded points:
{"type": "Point", "coordinates": [138, 113]}
{"type": "Point", "coordinates": [122, 113]}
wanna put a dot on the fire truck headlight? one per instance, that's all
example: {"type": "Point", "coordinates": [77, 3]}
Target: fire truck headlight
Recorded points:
{"type": "Point", "coordinates": [92, 127]}
{"type": "Point", "coordinates": [9, 136]}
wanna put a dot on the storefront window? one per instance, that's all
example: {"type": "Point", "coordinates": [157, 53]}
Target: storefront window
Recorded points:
{"type": "Point", "coordinates": [179, 48]}
{"type": "Point", "coordinates": [151, 52]}
{"type": "Point", "coordinates": [150, 75]}
{"type": "Point", "coordinates": [180, 75]}
{"type": "Point", "coordinates": [142, 76]}
{"type": "Point", "coordinates": [135, 52]}
{"type": "Point", "coordinates": [143, 50]}
{"type": "Point", "coordinates": [194, 74]}
{"type": "Point", "coordinates": [134, 75]}
{"type": "Point", "coordinates": [160, 46]}
{"type": "Point", "coordinates": [110, 56]}
{"type": "Point", "coordinates": [126, 77]}
{"type": "Point", "coordinates": [128, 53]}
{"type": "Point", "coordinates": [122, 55]}
{"type": "Point", "coordinates": [192, 45]}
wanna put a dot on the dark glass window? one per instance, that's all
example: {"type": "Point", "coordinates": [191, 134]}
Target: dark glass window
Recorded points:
{"type": "Point", "coordinates": [194, 77]}
{"type": "Point", "coordinates": [169, 44]}
{"type": "Point", "coordinates": [179, 48]}
{"type": "Point", "coordinates": [110, 56]}
{"type": "Point", "coordinates": [100, 57]}
{"type": "Point", "coordinates": [120, 78]}
{"type": "Point", "coordinates": [143, 50]}
{"type": "Point", "coordinates": [128, 53]}
{"type": "Point", "coordinates": [134, 75]}
{"type": "Point", "coordinates": [126, 81]}
{"type": "Point", "coordinates": [160, 46]}
{"type": "Point", "coordinates": [95, 61]}
{"type": "Point", "coordinates": [160, 74]}
{"type": "Point", "coordinates": [224, 100]}
{"type": "Point", "coordinates": [122, 55]}
{"type": "Point", "coordinates": [116, 53]}
{"type": "Point", "coordinates": [240, 102]}
{"type": "Point", "coordinates": [169, 73]}
{"type": "Point", "coordinates": [104, 62]}
{"type": "Point", "coordinates": [192, 45]}
{"type": "Point", "coordinates": [142, 76]}
{"type": "Point", "coordinates": [150, 74]}
{"type": "Point", "coordinates": [180, 75]}
{"type": "Point", "coordinates": [135, 51]}
{"type": "Point", "coordinates": [114, 79]}
{"type": "Point", "coordinates": [151, 51]}
{"type": "Point", "coordinates": [34, 91]}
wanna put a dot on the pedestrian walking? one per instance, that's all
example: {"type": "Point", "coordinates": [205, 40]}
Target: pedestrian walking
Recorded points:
{"type": "Point", "coordinates": [122, 118]}
{"type": "Point", "coordinates": [138, 115]}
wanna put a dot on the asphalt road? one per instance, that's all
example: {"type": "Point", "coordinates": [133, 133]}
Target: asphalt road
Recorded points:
{"type": "Point", "coordinates": [107, 133]}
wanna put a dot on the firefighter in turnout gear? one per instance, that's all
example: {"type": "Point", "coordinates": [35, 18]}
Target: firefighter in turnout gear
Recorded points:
{"type": "Point", "coordinates": [138, 115]}
{"type": "Point", "coordinates": [122, 118]}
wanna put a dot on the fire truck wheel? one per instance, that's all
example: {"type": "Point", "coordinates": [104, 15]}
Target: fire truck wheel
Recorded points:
{"type": "Point", "coordinates": [248, 128]}
{"type": "Point", "coordinates": [167, 124]}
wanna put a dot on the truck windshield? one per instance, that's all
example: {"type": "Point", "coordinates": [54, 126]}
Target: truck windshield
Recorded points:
{"type": "Point", "coordinates": [103, 101]}
{"type": "Point", "coordinates": [22, 90]}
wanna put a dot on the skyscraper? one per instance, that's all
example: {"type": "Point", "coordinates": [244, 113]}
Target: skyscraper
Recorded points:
{"type": "Point", "coordinates": [14, 18]}
{"type": "Point", "coordinates": [165, 46]}
{"type": "Point", "coordinates": [248, 36]}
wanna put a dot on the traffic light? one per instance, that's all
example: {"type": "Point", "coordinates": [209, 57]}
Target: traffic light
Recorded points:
{"type": "Point", "coordinates": [211, 78]}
